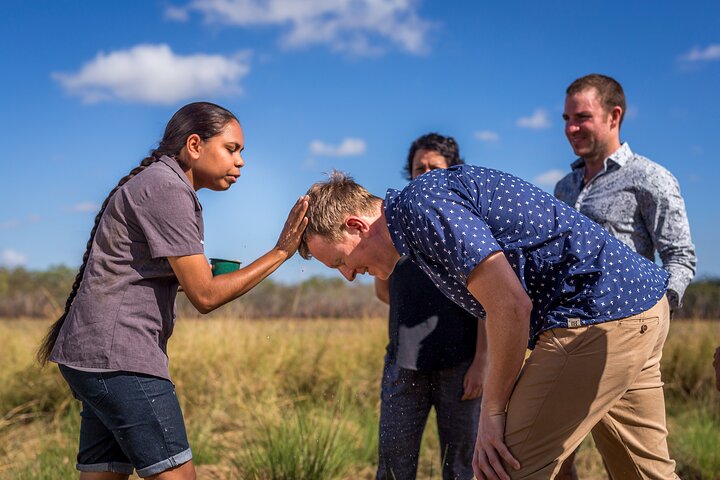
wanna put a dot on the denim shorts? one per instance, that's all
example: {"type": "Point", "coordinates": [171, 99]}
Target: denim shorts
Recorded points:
{"type": "Point", "coordinates": [128, 420]}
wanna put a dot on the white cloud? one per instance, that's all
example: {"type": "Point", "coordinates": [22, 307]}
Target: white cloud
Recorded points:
{"type": "Point", "coordinates": [697, 150]}
{"type": "Point", "coordinates": [310, 164]}
{"type": "Point", "coordinates": [536, 121]}
{"type": "Point", "coordinates": [154, 74]}
{"type": "Point", "coordinates": [84, 207]}
{"type": "Point", "coordinates": [707, 54]}
{"type": "Point", "coordinates": [486, 136]}
{"type": "Point", "coordinates": [14, 223]}
{"type": "Point", "coordinates": [11, 258]}
{"type": "Point", "coordinates": [9, 225]}
{"type": "Point", "coordinates": [349, 147]}
{"type": "Point", "coordinates": [549, 178]}
{"type": "Point", "coordinates": [177, 14]}
{"type": "Point", "coordinates": [349, 26]}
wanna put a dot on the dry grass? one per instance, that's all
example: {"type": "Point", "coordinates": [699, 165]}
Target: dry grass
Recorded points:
{"type": "Point", "coordinates": [240, 381]}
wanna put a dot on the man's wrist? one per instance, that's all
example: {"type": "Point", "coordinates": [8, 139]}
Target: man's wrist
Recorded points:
{"type": "Point", "coordinates": [488, 412]}
{"type": "Point", "coordinates": [492, 407]}
{"type": "Point", "coordinates": [673, 299]}
{"type": "Point", "coordinates": [479, 358]}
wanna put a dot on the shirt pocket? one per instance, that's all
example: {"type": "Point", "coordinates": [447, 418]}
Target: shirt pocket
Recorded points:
{"type": "Point", "coordinates": [639, 324]}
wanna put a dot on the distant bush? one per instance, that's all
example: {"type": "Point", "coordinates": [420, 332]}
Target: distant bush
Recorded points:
{"type": "Point", "coordinates": [42, 294]}
{"type": "Point", "coordinates": [701, 300]}
{"type": "Point", "coordinates": [317, 297]}
{"type": "Point", "coordinates": [26, 293]}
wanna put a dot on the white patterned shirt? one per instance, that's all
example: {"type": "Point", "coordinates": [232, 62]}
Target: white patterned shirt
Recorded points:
{"type": "Point", "coordinates": [639, 202]}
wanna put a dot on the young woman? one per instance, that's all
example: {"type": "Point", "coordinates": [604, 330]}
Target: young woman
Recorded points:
{"type": "Point", "coordinates": [110, 343]}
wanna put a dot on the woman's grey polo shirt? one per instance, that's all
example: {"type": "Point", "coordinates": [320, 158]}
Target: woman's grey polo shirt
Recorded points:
{"type": "Point", "coordinates": [124, 311]}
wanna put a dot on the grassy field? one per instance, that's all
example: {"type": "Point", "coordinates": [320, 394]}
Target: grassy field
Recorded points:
{"type": "Point", "coordinates": [287, 399]}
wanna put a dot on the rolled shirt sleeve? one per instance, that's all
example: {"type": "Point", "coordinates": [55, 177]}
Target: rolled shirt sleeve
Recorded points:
{"type": "Point", "coordinates": [170, 222]}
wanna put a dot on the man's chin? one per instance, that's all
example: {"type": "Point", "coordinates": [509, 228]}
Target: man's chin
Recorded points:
{"type": "Point", "coordinates": [381, 275]}
{"type": "Point", "coordinates": [579, 151]}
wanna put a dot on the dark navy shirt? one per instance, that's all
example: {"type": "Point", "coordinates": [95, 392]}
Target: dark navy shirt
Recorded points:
{"type": "Point", "coordinates": [427, 331]}
{"type": "Point", "coordinates": [574, 271]}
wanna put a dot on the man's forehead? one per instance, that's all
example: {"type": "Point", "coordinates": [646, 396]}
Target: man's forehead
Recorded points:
{"type": "Point", "coordinates": [581, 104]}
{"type": "Point", "coordinates": [591, 94]}
{"type": "Point", "coordinates": [319, 240]}
{"type": "Point", "coordinates": [321, 244]}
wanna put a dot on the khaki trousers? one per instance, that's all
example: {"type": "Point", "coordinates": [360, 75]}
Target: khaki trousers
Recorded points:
{"type": "Point", "coordinates": [603, 379]}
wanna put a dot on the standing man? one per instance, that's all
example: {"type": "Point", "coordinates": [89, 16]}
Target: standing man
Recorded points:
{"type": "Point", "coordinates": [636, 199]}
{"type": "Point", "coordinates": [435, 356]}
{"type": "Point", "coordinates": [593, 311]}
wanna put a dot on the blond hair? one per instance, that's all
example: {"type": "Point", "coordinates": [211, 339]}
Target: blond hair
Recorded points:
{"type": "Point", "coordinates": [330, 204]}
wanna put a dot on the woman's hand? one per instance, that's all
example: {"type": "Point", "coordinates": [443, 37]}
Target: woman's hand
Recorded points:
{"type": "Point", "coordinates": [207, 292]}
{"type": "Point", "coordinates": [294, 227]}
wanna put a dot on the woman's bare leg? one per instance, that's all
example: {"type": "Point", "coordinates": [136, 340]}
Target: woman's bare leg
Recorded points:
{"type": "Point", "coordinates": [103, 476]}
{"type": "Point", "coordinates": [186, 471]}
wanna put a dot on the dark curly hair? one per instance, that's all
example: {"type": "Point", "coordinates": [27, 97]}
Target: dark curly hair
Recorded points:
{"type": "Point", "coordinates": [445, 146]}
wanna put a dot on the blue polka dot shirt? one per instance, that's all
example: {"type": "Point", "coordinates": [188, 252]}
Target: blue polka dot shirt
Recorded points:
{"type": "Point", "coordinates": [574, 271]}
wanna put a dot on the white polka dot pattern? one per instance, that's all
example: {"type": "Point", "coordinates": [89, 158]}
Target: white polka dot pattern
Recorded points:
{"type": "Point", "coordinates": [449, 220]}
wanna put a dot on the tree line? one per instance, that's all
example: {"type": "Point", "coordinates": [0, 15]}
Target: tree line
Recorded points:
{"type": "Point", "coordinates": [42, 294]}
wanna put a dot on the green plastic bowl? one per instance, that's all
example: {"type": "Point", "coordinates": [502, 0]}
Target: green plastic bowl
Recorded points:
{"type": "Point", "coordinates": [221, 266]}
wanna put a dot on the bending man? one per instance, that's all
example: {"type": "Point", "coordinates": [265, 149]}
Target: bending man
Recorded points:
{"type": "Point", "coordinates": [595, 311]}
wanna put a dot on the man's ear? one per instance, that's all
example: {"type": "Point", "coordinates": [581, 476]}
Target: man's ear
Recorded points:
{"type": "Point", "coordinates": [356, 224]}
{"type": "Point", "coordinates": [616, 115]}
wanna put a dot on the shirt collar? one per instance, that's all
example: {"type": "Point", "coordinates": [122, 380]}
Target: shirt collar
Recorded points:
{"type": "Point", "coordinates": [392, 216]}
{"type": "Point", "coordinates": [173, 164]}
{"type": "Point", "coordinates": [619, 157]}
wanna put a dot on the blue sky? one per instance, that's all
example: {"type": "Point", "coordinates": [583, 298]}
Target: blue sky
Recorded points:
{"type": "Point", "coordinates": [87, 88]}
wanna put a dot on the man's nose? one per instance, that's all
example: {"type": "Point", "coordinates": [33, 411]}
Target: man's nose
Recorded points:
{"type": "Point", "coordinates": [571, 128]}
{"type": "Point", "coordinates": [348, 273]}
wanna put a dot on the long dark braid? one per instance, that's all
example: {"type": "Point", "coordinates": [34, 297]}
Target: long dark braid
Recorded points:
{"type": "Point", "coordinates": [201, 118]}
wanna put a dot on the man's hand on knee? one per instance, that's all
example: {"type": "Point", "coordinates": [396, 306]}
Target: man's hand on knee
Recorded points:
{"type": "Point", "coordinates": [490, 449]}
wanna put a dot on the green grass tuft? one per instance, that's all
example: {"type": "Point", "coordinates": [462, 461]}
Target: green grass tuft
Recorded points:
{"type": "Point", "coordinates": [303, 447]}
